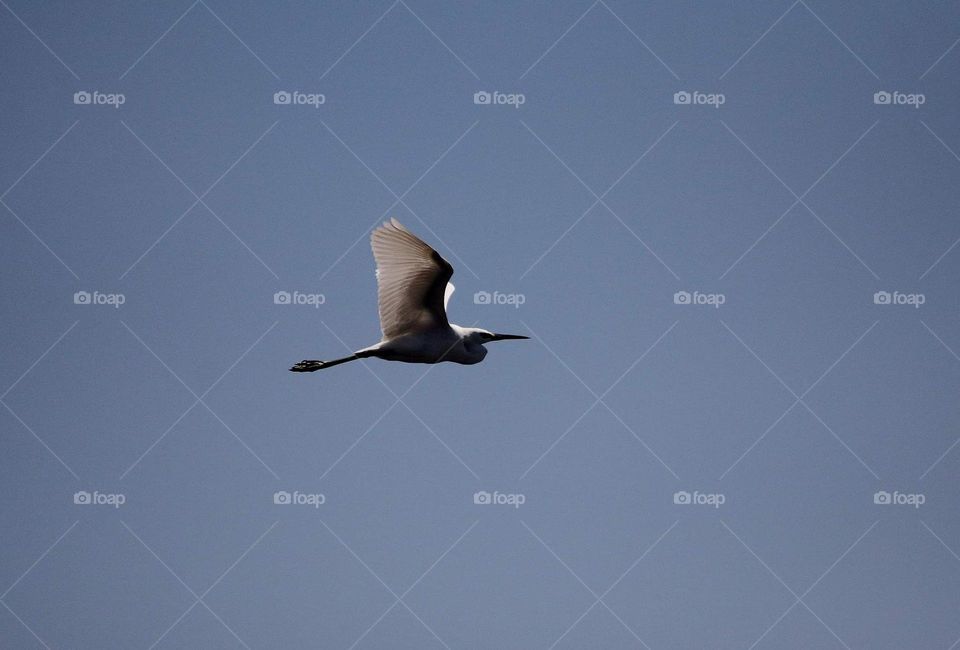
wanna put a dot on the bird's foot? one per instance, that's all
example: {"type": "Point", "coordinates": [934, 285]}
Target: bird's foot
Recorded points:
{"type": "Point", "coordinates": [308, 365]}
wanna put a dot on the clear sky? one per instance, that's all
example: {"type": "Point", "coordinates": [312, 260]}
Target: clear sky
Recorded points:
{"type": "Point", "coordinates": [738, 265]}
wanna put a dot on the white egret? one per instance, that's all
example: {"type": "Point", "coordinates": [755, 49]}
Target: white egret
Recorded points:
{"type": "Point", "coordinates": [413, 289]}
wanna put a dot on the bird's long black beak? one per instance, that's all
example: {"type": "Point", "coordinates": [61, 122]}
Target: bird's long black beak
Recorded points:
{"type": "Point", "coordinates": [507, 337]}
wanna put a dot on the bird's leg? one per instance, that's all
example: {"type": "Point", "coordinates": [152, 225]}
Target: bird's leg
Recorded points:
{"type": "Point", "coordinates": [312, 365]}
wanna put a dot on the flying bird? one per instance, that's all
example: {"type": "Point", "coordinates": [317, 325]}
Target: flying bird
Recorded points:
{"type": "Point", "coordinates": [413, 289]}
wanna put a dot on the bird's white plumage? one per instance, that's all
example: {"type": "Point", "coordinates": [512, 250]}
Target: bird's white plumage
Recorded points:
{"type": "Point", "coordinates": [447, 293]}
{"type": "Point", "coordinates": [413, 289]}
{"type": "Point", "coordinates": [413, 282]}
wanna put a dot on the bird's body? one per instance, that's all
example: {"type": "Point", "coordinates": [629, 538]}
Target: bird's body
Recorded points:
{"type": "Point", "coordinates": [414, 287]}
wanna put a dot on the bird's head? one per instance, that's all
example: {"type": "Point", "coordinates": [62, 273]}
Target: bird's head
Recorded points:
{"type": "Point", "coordinates": [482, 336]}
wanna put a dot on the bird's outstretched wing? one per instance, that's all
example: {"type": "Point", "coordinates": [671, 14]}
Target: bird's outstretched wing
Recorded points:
{"type": "Point", "coordinates": [412, 281]}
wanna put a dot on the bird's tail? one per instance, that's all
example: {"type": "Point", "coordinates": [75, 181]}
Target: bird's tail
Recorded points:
{"type": "Point", "coordinates": [312, 365]}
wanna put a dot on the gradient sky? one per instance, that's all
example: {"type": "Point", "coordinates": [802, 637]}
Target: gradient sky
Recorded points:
{"type": "Point", "coordinates": [794, 402]}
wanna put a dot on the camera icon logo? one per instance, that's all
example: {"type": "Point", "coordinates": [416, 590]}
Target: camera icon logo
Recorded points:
{"type": "Point", "coordinates": [281, 298]}
{"type": "Point", "coordinates": [281, 498]}
{"type": "Point", "coordinates": [281, 97]}
{"type": "Point", "coordinates": [881, 298]}
{"type": "Point", "coordinates": [681, 298]}
{"type": "Point", "coordinates": [682, 97]}
{"type": "Point", "coordinates": [882, 97]}
{"type": "Point", "coordinates": [882, 498]}
{"type": "Point", "coordinates": [482, 298]}
{"type": "Point", "coordinates": [482, 97]}
{"type": "Point", "coordinates": [81, 298]}
{"type": "Point", "coordinates": [482, 498]}
{"type": "Point", "coordinates": [81, 97]}
{"type": "Point", "coordinates": [81, 498]}
{"type": "Point", "coordinates": [681, 498]}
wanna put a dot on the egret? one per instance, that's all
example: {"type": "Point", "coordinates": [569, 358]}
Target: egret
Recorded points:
{"type": "Point", "coordinates": [413, 289]}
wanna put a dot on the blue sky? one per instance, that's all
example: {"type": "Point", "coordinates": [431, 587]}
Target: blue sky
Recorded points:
{"type": "Point", "coordinates": [735, 423]}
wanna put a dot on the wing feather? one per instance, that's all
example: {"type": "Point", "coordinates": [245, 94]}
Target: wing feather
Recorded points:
{"type": "Point", "coordinates": [412, 281]}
